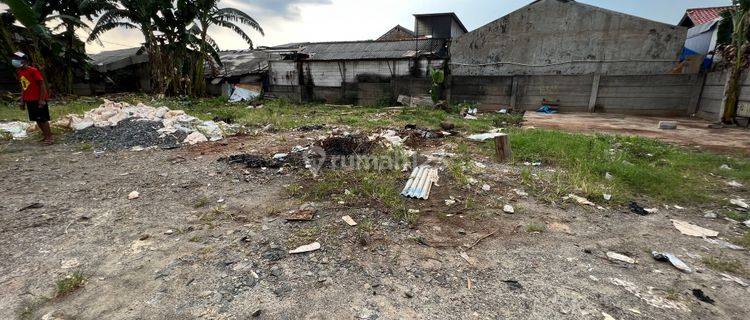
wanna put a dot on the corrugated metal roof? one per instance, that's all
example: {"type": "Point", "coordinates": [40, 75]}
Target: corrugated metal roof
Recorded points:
{"type": "Point", "coordinates": [420, 182]}
{"type": "Point", "coordinates": [373, 50]}
{"type": "Point", "coordinates": [117, 59]}
{"type": "Point", "coordinates": [705, 15]}
{"type": "Point", "coordinates": [242, 62]}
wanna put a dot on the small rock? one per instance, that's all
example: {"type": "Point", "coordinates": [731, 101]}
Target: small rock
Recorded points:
{"type": "Point", "coordinates": [725, 167]}
{"type": "Point", "coordinates": [710, 215]}
{"type": "Point", "coordinates": [408, 294]}
{"type": "Point", "coordinates": [169, 232]}
{"type": "Point", "coordinates": [668, 125]}
{"type": "Point", "coordinates": [486, 187]}
{"type": "Point", "coordinates": [134, 195]}
{"type": "Point", "coordinates": [509, 209]}
{"type": "Point", "coordinates": [144, 237]}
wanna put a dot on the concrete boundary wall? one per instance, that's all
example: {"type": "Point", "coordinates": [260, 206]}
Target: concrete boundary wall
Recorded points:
{"type": "Point", "coordinates": [660, 95]}
{"type": "Point", "coordinates": [712, 94]}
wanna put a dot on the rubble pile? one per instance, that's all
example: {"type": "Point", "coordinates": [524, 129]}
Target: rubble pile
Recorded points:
{"type": "Point", "coordinates": [347, 145]}
{"type": "Point", "coordinates": [119, 125]}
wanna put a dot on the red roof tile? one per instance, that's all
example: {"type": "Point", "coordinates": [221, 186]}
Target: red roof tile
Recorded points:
{"type": "Point", "coordinates": [705, 15]}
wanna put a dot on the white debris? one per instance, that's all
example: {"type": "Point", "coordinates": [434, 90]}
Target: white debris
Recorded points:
{"type": "Point", "coordinates": [479, 165]}
{"type": "Point", "coordinates": [392, 138]}
{"type": "Point", "coordinates": [693, 230]}
{"type": "Point", "coordinates": [651, 210]}
{"type": "Point", "coordinates": [16, 129]}
{"type": "Point", "coordinates": [485, 136]}
{"type": "Point", "coordinates": [298, 149]}
{"type": "Point", "coordinates": [134, 195]}
{"type": "Point", "coordinates": [607, 197]}
{"type": "Point", "coordinates": [137, 149]}
{"type": "Point", "coordinates": [724, 244]}
{"type": "Point", "coordinates": [195, 138]}
{"type": "Point", "coordinates": [306, 248]}
{"type": "Point", "coordinates": [609, 176]}
{"type": "Point", "coordinates": [112, 113]}
{"type": "Point", "coordinates": [729, 277]}
{"type": "Point", "coordinates": [443, 154]}
{"type": "Point", "coordinates": [243, 94]}
{"type": "Point", "coordinates": [739, 202]}
{"type": "Point", "coordinates": [450, 202]}
{"type": "Point", "coordinates": [725, 167]}
{"type": "Point", "coordinates": [678, 207]}
{"type": "Point", "coordinates": [280, 156]}
{"type": "Point", "coordinates": [580, 200]}
{"type": "Point", "coordinates": [710, 215]}
{"type": "Point", "coordinates": [486, 187]}
{"type": "Point", "coordinates": [649, 296]}
{"type": "Point", "coordinates": [747, 223]}
{"type": "Point", "coordinates": [520, 193]}
{"type": "Point", "coordinates": [349, 220]}
{"type": "Point", "coordinates": [620, 257]}
{"type": "Point", "coordinates": [734, 184]}
{"type": "Point", "coordinates": [509, 209]}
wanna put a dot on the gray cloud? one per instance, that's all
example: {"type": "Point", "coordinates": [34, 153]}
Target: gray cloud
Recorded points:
{"type": "Point", "coordinates": [287, 9]}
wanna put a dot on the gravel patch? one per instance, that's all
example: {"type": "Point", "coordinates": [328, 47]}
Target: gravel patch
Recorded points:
{"type": "Point", "coordinates": [127, 134]}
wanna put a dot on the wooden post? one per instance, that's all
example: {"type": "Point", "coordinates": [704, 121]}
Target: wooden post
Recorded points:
{"type": "Point", "coordinates": [594, 92]}
{"type": "Point", "coordinates": [502, 148]}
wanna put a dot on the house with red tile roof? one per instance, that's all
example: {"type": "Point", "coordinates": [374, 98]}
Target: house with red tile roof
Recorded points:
{"type": "Point", "coordinates": [698, 16]}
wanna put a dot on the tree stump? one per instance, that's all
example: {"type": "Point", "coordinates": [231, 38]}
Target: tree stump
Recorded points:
{"type": "Point", "coordinates": [503, 151]}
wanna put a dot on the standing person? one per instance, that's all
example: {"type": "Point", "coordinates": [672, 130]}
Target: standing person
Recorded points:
{"type": "Point", "coordinates": [34, 94]}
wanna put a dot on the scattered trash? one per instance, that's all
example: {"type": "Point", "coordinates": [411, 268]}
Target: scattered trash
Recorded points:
{"type": "Point", "coordinates": [693, 230]}
{"type": "Point", "coordinates": [698, 294]}
{"type": "Point", "coordinates": [485, 136]}
{"type": "Point", "coordinates": [649, 296]}
{"type": "Point", "coordinates": [676, 262]}
{"type": "Point", "coordinates": [747, 223]}
{"type": "Point", "coordinates": [580, 200]}
{"type": "Point", "coordinates": [724, 244]}
{"type": "Point", "coordinates": [607, 197]}
{"type": "Point", "coordinates": [546, 109]}
{"type": "Point", "coordinates": [678, 207]}
{"type": "Point", "coordinates": [420, 182]}
{"type": "Point", "coordinates": [725, 167]}
{"type": "Point", "coordinates": [734, 184]}
{"type": "Point", "coordinates": [513, 285]}
{"type": "Point", "coordinates": [412, 211]}
{"type": "Point", "coordinates": [349, 221]}
{"type": "Point", "coordinates": [134, 195]}
{"type": "Point", "coordinates": [17, 129]}
{"type": "Point", "coordinates": [509, 209]}
{"type": "Point", "coordinates": [620, 257]}
{"type": "Point", "coordinates": [450, 202]}
{"type": "Point", "coordinates": [637, 209]}
{"type": "Point", "coordinates": [668, 125]}
{"type": "Point", "coordinates": [306, 212]}
{"type": "Point", "coordinates": [609, 176]}
{"type": "Point", "coordinates": [729, 277]}
{"type": "Point", "coordinates": [243, 94]}
{"type": "Point", "coordinates": [739, 202]}
{"type": "Point", "coordinates": [35, 205]}
{"type": "Point", "coordinates": [486, 187]}
{"type": "Point", "coordinates": [306, 248]}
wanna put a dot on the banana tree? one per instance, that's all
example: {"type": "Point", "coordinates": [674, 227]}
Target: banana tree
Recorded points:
{"type": "Point", "coordinates": [740, 22]}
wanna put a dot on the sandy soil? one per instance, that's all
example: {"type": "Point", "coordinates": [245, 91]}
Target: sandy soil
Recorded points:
{"type": "Point", "coordinates": [691, 132]}
{"type": "Point", "coordinates": [160, 257]}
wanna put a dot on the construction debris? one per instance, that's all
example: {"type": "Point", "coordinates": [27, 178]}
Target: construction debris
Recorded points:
{"type": "Point", "coordinates": [740, 203]}
{"type": "Point", "coordinates": [620, 257]}
{"type": "Point", "coordinates": [306, 212]}
{"type": "Point", "coordinates": [306, 248]}
{"type": "Point", "coordinates": [580, 200]}
{"type": "Point", "coordinates": [676, 262]}
{"type": "Point", "coordinates": [485, 136]}
{"type": "Point", "coordinates": [668, 125]}
{"type": "Point", "coordinates": [724, 244]}
{"type": "Point", "coordinates": [134, 195]}
{"type": "Point", "coordinates": [693, 230]}
{"type": "Point", "coordinates": [734, 184]}
{"type": "Point", "coordinates": [16, 129]}
{"type": "Point", "coordinates": [123, 126]}
{"type": "Point", "coordinates": [509, 209]}
{"type": "Point", "coordinates": [649, 296]}
{"type": "Point", "coordinates": [729, 277]}
{"type": "Point", "coordinates": [420, 182]}
{"type": "Point", "coordinates": [349, 221]}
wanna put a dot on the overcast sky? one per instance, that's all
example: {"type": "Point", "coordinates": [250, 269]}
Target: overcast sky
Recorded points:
{"type": "Point", "coordinates": [287, 21]}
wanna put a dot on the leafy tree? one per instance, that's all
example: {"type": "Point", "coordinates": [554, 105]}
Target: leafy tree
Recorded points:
{"type": "Point", "coordinates": [209, 14]}
{"type": "Point", "coordinates": [740, 22]}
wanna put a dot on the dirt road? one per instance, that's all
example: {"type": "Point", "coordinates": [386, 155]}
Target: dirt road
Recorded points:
{"type": "Point", "coordinates": [205, 240]}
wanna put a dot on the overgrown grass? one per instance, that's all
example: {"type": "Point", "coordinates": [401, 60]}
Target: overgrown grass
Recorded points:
{"type": "Point", "coordinates": [640, 166]}
{"type": "Point", "coordinates": [69, 284]}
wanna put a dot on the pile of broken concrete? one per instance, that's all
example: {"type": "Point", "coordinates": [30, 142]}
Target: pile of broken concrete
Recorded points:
{"type": "Point", "coordinates": [166, 128]}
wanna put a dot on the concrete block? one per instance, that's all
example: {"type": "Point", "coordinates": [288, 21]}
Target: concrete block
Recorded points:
{"type": "Point", "coordinates": [667, 125]}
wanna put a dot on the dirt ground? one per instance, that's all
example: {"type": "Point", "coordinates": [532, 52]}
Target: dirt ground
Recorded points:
{"type": "Point", "coordinates": [691, 132]}
{"type": "Point", "coordinates": [162, 256]}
